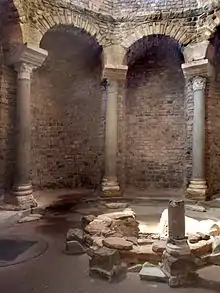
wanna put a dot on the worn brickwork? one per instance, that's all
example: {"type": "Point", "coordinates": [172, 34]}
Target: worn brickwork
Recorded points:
{"type": "Point", "coordinates": [143, 6]}
{"type": "Point", "coordinates": [155, 118]}
{"type": "Point", "coordinates": [67, 128]}
{"type": "Point", "coordinates": [212, 136]}
{"type": "Point", "coordinates": [7, 115]}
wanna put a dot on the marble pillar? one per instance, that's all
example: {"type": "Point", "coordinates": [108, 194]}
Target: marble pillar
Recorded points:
{"type": "Point", "coordinates": [196, 72]}
{"type": "Point", "coordinates": [197, 187]}
{"type": "Point", "coordinates": [25, 59]}
{"type": "Point", "coordinates": [113, 75]}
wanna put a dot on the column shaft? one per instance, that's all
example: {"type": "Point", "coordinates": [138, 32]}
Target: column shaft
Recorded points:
{"type": "Point", "coordinates": [197, 188]}
{"type": "Point", "coordinates": [199, 134]}
{"type": "Point", "coordinates": [23, 134]}
{"type": "Point", "coordinates": [111, 132]}
{"type": "Point", "coordinates": [113, 74]}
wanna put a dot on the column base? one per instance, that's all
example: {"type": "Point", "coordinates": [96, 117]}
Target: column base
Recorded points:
{"type": "Point", "coordinates": [197, 190]}
{"type": "Point", "coordinates": [110, 188]}
{"type": "Point", "coordinates": [20, 198]}
{"type": "Point", "coordinates": [178, 264]}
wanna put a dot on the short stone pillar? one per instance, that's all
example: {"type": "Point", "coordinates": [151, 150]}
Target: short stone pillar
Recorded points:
{"type": "Point", "coordinates": [113, 75]}
{"type": "Point", "coordinates": [196, 72]}
{"type": "Point", "coordinates": [177, 262]}
{"type": "Point", "coordinates": [24, 59]}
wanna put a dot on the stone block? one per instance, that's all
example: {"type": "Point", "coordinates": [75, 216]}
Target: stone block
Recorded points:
{"type": "Point", "coordinates": [105, 259]}
{"type": "Point", "coordinates": [117, 243]}
{"type": "Point", "coordinates": [86, 220]}
{"type": "Point", "coordinates": [74, 248]}
{"type": "Point", "coordinates": [152, 274]}
{"type": "Point", "coordinates": [75, 234]}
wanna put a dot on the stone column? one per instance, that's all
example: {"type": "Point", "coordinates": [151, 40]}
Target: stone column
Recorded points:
{"type": "Point", "coordinates": [25, 59]}
{"type": "Point", "coordinates": [177, 262]}
{"type": "Point", "coordinates": [113, 75]}
{"type": "Point", "coordinates": [197, 72]}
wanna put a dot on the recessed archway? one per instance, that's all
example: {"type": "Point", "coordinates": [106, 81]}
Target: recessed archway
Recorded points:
{"type": "Point", "coordinates": [155, 116]}
{"type": "Point", "coordinates": [67, 140]}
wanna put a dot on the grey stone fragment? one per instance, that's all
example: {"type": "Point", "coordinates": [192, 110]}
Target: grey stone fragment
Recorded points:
{"type": "Point", "coordinates": [195, 208]}
{"type": "Point", "coordinates": [30, 218]}
{"type": "Point", "coordinates": [75, 234]}
{"type": "Point", "coordinates": [74, 248]}
{"type": "Point", "coordinates": [152, 274]}
{"type": "Point", "coordinates": [118, 273]}
{"type": "Point", "coordinates": [135, 268]}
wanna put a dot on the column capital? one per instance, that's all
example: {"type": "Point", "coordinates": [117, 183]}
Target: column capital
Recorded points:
{"type": "Point", "coordinates": [195, 68]}
{"type": "Point", "coordinates": [24, 70]}
{"type": "Point", "coordinates": [198, 83]}
{"type": "Point", "coordinates": [112, 72]}
{"type": "Point", "coordinates": [24, 56]}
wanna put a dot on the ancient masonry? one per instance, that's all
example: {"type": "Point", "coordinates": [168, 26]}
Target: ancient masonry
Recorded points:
{"type": "Point", "coordinates": [150, 132]}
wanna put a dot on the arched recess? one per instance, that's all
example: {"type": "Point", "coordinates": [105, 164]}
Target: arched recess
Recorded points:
{"type": "Point", "coordinates": [155, 117]}
{"type": "Point", "coordinates": [10, 14]}
{"type": "Point", "coordinates": [67, 111]}
{"type": "Point", "coordinates": [175, 31]}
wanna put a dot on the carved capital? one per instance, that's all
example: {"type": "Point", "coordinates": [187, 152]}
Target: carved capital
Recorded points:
{"type": "Point", "coordinates": [24, 70]}
{"type": "Point", "coordinates": [115, 72]}
{"type": "Point", "coordinates": [27, 54]}
{"type": "Point", "coordinates": [198, 83]}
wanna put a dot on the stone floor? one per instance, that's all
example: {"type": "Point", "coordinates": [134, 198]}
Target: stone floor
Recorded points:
{"type": "Point", "coordinates": [55, 272]}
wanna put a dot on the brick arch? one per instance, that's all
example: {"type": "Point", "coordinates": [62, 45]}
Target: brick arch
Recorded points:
{"type": "Point", "coordinates": [175, 31]}
{"type": "Point", "coordinates": [209, 26]}
{"type": "Point", "coordinates": [10, 22]}
{"type": "Point", "coordinates": [71, 18]}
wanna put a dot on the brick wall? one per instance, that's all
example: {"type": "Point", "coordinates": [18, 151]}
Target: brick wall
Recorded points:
{"type": "Point", "coordinates": [7, 114]}
{"type": "Point", "coordinates": [67, 132]}
{"type": "Point", "coordinates": [155, 117]}
{"type": "Point", "coordinates": [145, 6]}
{"type": "Point", "coordinates": [213, 136]}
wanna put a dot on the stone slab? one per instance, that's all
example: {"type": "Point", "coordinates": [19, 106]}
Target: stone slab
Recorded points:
{"type": "Point", "coordinates": [116, 205]}
{"type": "Point", "coordinates": [117, 243]}
{"type": "Point", "coordinates": [139, 254]}
{"type": "Point", "coordinates": [152, 274]}
{"type": "Point", "coordinates": [195, 208]}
